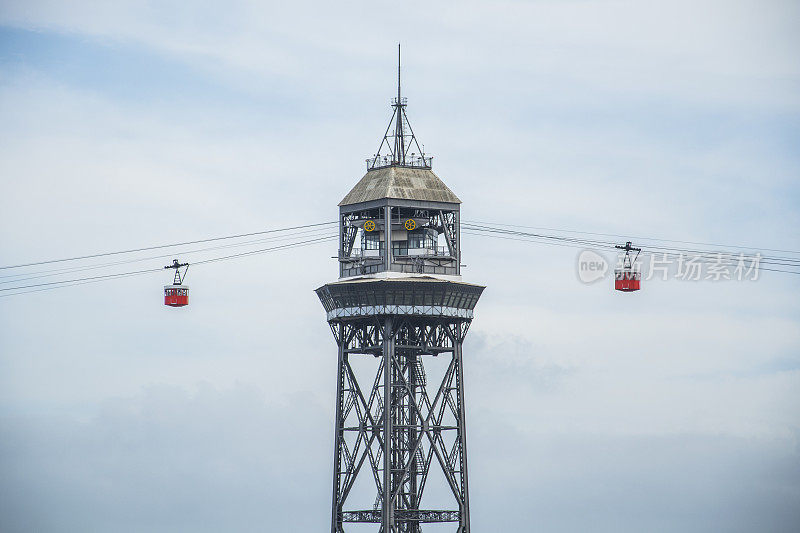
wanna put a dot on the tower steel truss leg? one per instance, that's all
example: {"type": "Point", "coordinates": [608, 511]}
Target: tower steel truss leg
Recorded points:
{"type": "Point", "coordinates": [398, 423]}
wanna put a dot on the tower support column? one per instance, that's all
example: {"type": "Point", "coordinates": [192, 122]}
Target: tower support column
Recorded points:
{"type": "Point", "coordinates": [387, 224]}
{"type": "Point", "coordinates": [462, 433]}
{"type": "Point", "coordinates": [388, 433]}
{"type": "Point", "coordinates": [338, 433]}
{"type": "Point", "coordinates": [396, 423]}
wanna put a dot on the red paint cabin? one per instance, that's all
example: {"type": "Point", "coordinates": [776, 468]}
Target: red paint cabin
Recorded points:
{"type": "Point", "coordinates": [627, 280]}
{"type": "Point", "coordinates": [176, 295]}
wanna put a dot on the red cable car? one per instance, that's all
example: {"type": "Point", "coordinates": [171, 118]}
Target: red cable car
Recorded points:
{"type": "Point", "coordinates": [177, 294]}
{"type": "Point", "coordinates": [627, 278]}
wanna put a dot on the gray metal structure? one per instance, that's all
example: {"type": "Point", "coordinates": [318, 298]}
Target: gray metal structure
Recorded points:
{"type": "Point", "coordinates": [398, 303]}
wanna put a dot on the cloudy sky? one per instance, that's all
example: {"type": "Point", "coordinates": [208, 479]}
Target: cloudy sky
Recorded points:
{"type": "Point", "coordinates": [127, 124]}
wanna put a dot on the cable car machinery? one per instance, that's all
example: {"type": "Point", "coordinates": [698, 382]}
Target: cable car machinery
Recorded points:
{"type": "Point", "coordinates": [627, 278]}
{"type": "Point", "coordinates": [177, 294]}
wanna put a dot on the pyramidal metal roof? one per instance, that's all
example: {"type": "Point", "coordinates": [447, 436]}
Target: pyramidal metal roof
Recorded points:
{"type": "Point", "coordinates": [405, 183]}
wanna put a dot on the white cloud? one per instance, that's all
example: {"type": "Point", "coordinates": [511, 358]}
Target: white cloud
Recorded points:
{"type": "Point", "coordinates": [705, 52]}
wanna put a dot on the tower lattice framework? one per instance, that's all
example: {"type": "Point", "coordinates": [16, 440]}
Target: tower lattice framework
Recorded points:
{"type": "Point", "coordinates": [398, 306]}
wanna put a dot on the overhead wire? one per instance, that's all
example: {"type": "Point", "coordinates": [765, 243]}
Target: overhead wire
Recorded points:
{"type": "Point", "coordinates": [80, 281]}
{"type": "Point", "coordinates": [569, 245]}
{"type": "Point", "coordinates": [724, 258]}
{"type": "Point", "coordinates": [318, 232]}
{"type": "Point", "coordinates": [652, 248]}
{"type": "Point", "coordinates": [633, 237]}
{"type": "Point", "coordinates": [14, 278]}
{"type": "Point", "coordinates": [159, 246]}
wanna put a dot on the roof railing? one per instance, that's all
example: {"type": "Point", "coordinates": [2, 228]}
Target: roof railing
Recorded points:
{"type": "Point", "coordinates": [424, 251]}
{"type": "Point", "coordinates": [359, 253]}
{"type": "Point", "coordinates": [415, 161]}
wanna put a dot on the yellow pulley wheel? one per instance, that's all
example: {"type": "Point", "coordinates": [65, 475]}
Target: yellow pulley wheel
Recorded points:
{"type": "Point", "coordinates": [410, 224]}
{"type": "Point", "coordinates": [369, 225]}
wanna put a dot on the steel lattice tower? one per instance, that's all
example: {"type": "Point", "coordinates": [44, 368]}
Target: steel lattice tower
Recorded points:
{"type": "Point", "coordinates": [400, 300]}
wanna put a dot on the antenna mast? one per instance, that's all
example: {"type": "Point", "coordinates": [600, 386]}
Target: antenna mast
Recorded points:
{"type": "Point", "coordinates": [398, 72]}
{"type": "Point", "coordinates": [399, 148]}
{"type": "Point", "coordinates": [395, 140]}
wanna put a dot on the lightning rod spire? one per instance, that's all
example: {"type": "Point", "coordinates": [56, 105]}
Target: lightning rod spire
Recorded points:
{"type": "Point", "coordinates": [400, 139]}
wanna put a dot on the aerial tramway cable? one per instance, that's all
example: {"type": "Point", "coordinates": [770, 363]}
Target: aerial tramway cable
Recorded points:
{"type": "Point", "coordinates": [146, 248]}
{"type": "Point", "coordinates": [81, 281]}
{"type": "Point", "coordinates": [638, 238]}
{"type": "Point", "coordinates": [14, 278]}
{"type": "Point", "coordinates": [652, 248]}
{"type": "Point", "coordinates": [320, 232]}
{"type": "Point", "coordinates": [706, 258]}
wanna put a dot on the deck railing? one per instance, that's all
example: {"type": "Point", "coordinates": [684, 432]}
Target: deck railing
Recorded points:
{"type": "Point", "coordinates": [415, 161]}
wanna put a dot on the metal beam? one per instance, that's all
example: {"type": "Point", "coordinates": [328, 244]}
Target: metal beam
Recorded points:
{"type": "Point", "coordinates": [388, 355]}
{"type": "Point", "coordinates": [399, 425]}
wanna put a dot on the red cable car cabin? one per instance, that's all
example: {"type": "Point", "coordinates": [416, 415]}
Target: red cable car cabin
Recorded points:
{"type": "Point", "coordinates": [176, 295]}
{"type": "Point", "coordinates": [628, 279]}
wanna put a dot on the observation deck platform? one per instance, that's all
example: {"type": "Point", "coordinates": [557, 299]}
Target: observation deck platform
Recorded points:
{"type": "Point", "coordinates": [357, 298]}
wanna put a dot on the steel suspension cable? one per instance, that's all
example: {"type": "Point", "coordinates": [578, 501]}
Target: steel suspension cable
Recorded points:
{"type": "Point", "coordinates": [706, 257]}
{"type": "Point", "coordinates": [783, 261]}
{"type": "Point", "coordinates": [14, 278]}
{"type": "Point", "coordinates": [632, 237]}
{"type": "Point", "coordinates": [156, 247]}
{"type": "Point", "coordinates": [80, 281]}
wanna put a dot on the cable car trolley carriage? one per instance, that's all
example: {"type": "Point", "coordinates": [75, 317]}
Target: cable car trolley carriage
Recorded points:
{"type": "Point", "coordinates": [628, 278]}
{"type": "Point", "coordinates": [177, 294]}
